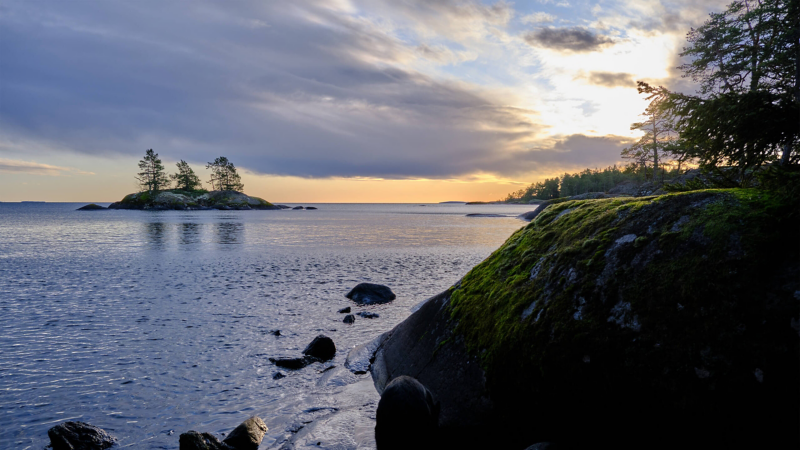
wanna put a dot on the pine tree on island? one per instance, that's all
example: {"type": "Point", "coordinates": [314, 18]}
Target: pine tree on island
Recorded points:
{"type": "Point", "coordinates": [224, 176]}
{"type": "Point", "coordinates": [152, 177]}
{"type": "Point", "coordinates": [185, 179]}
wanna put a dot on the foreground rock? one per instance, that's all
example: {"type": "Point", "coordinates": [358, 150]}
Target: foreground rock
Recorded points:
{"type": "Point", "coordinates": [182, 200]}
{"type": "Point", "coordinates": [90, 207]}
{"type": "Point", "coordinates": [657, 322]}
{"type": "Point", "coordinates": [407, 416]}
{"type": "Point", "coordinates": [79, 436]}
{"type": "Point", "coordinates": [248, 435]}
{"type": "Point", "coordinates": [371, 294]}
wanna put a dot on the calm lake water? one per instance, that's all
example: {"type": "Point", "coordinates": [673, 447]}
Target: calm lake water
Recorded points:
{"type": "Point", "coordinates": [150, 324]}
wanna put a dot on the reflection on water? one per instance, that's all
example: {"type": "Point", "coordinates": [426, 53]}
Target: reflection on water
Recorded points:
{"type": "Point", "coordinates": [228, 233]}
{"type": "Point", "coordinates": [156, 234]}
{"type": "Point", "coordinates": [192, 235]}
{"type": "Point", "coordinates": [189, 233]}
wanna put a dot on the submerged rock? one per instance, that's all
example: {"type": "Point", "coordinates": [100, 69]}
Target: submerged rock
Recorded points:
{"type": "Point", "coordinates": [292, 363]}
{"type": "Point", "coordinates": [371, 294]}
{"type": "Point", "coordinates": [656, 322]}
{"type": "Point", "coordinates": [194, 440]}
{"type": "Point", "coordinates": [248, 435]}
{"type": "Point", "coordinates": [311, 207]}
{"type": "Point", "coordinates": [368, 315]}
{"type": "Point", "coordinates": [344, 310]}
{"type": "Point", "coordinates": [298, 207]}
{"type": "Point", "coordinates": [79, 436]}
{"type": "Point", "coordinates": [349, 318]}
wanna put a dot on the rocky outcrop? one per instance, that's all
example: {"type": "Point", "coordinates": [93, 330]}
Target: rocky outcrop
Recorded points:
{"type": "Point", "coordinates": [79, 436]}
{"type": "Point", "coordinates": [656, 322]}
{"type": "Point", "coordinates": [370, 294]}
{"type": "Point", "coordinates": [182, 200]}
{"type": "Point", "coordinates": [90, 207]}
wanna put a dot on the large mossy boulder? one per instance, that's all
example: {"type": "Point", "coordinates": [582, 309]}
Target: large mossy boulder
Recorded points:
{"type": "Point", "coordinates": [656, 322]}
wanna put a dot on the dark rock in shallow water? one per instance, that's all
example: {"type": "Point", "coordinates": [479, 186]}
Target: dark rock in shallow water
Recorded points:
{"type": "Point", "coordinates": [248, 435]}
{"type": "Point", "coordinates": [79, 436]}
{"type": "Point", "coordinates": [371, 294]}
{"type": "Point", "coordinates": [407, 416]}
{"type": "Point", "coordinates": [344, 310]}
{"type": "Point", "coordinates": [275, 332]}
{"type": "Point", "coordinates": [292, 363]}
{"type": "Point", "coordinates": [193, 440]}
{"type": "Point", "coordinates": [368, 315]}
{"type": "Point", "coordinates": [321, 347]}
{"type": "Point", "coordinates": [90, 207]}
{"type": "Point", "coordinates": [298, 207]}
{"type": "Point", "coordinates": [310, 207]}
{"type": "Point", "coordinates": [278, 376]}
{"type": "Point", "coordinates": [485, 215]}
{"type": "Point", "coordinates": [543, 446]}
{"type": "Point", "coordinates": [283, 206]}
{"type": "Point", "coordinates": [349, 318]}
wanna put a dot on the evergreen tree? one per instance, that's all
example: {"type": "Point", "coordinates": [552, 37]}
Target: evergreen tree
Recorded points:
{"type": "Point", "coordinates": [746, 112]}
{"type": "Point", "coordinates": [660, 135]}
{"type": "Point", "coordinates": [152, 177]}
{"type": "Point", "coordinates": [224, 176]}
{"type": "Point", "coordinates": [185, 179]}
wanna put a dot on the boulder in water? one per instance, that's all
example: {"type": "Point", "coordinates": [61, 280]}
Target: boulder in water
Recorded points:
{"type": "Point", "coordinates": [349, 319]}
{"type": "Point", "coordinates": [79, 436]}
{"type": "Point", "coordinates": [321, 347]}
{"type": "Point", "coordinates": [248, 435]}
{"type": "Point", "coordinates": [371, 294]}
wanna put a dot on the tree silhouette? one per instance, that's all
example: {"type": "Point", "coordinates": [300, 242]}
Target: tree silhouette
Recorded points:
{"type": "Point", "coordinates": [224, 176]}
{"type": "Point", "coordinates": [747, 63]}
{"type": "Point", "coordinates": [660, 135]}
{"type": "Point", "coordinates": [152, 177]}
{"type": "Point", "coordinates": [185, 179]}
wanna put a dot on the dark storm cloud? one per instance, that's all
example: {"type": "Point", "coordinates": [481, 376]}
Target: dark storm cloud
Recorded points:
{"type": "Point", "coordinates": [279, 88]}
{"type": "Point", "coordinates": [611, 79]}
{"type": "Point", "coordinates": [574, 39]}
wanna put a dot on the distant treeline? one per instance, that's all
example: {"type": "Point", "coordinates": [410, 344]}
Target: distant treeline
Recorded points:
{"type": "Point", "coordinates": [589, 180]}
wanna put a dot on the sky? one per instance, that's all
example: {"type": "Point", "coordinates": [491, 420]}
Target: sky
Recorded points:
{"type": "Point", "coordinates": [328, 100]}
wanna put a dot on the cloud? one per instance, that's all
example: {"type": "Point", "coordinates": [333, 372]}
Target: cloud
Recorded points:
{"type": "Point", "coordinates": [573, 39]}
{"type": "Point", "coordinates": [34, 168]}
{"type": "Point", "coordinates": [538, 17]}
{"type": "Point", "coordinates": [610, 79]}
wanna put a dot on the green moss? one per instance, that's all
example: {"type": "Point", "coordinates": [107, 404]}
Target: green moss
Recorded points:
{"type": "Point", "coordinates": [570, 248]}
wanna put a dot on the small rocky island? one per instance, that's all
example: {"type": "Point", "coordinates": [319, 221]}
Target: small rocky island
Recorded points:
{"type": "Point", "coordinates": [191, 200]}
